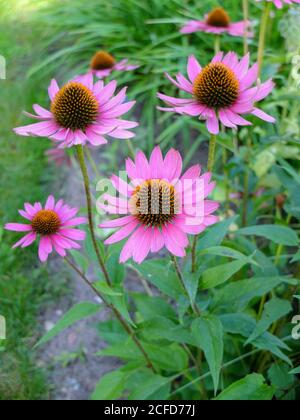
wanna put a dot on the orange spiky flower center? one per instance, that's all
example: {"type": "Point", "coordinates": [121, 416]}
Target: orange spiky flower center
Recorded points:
{"type": "Point", "coordinates": [154, 203]}
{"type": "Point", "coordinates": [46, 222]}
{"type": "Point", "coordinates": [75, 107]}
{"type": "Point", "coordinates": [216, 86]}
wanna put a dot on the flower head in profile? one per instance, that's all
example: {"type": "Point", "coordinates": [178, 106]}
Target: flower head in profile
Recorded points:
{"type": "Point", "coordinates": [221, 91]}
{"type": "Point", "coordinates": [280, 3]}
{"type": "Point", "coordinates": [103, 64]}
{"type": "Point", "coordinates": [218, 22]}
{"type": "Point", "coordinates": [160, 207]}
{"type": "Point", "coordinates": [82, 112]}
{"type": "Point", "coordinates": [53, 224]}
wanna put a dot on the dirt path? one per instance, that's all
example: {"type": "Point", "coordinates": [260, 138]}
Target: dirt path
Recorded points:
{"type": "Point", "coordinates": [70, 359]}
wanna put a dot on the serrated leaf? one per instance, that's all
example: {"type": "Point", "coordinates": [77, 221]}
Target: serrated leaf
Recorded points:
{"type": "Point", "coordinates": [208, 334]}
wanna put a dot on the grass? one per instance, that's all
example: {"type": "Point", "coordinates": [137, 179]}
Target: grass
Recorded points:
{"type": "Point", "coordinates": [23, 282]}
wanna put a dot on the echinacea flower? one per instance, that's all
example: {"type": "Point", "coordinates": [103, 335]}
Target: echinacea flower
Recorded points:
{"type": "Point", "coordinates": [103, 64]}
{"type": "Point", "coordinates": [218, 22]}
{"type": "Point", "coordinates": [221, 91]}
{"type": "Point", "coordinates": [82, 112]}
{"type": "Point", "coordinates": [160, 206]}
{"type": "Point", "coordinates": [54, 225]}
{"type": "Point", "coordinates": [280, 3]}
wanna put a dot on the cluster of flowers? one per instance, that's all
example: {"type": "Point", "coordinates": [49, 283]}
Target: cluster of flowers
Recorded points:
{"type": "Point", "coordinates": [85, 112]}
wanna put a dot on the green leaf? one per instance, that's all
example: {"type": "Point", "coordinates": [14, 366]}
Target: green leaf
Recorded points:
{"type": "Point", "coordinates": [224, 251]}
{"type": "Point", "coordinates": [250, 388]}
{"type": "Point", "coordinates": [295, 371]}
{"type": "Point", "coordinates": [242, 324]}
{"type": "Point", "coordinates": [274, 310]}
{"type": "Point", "coordinates": [215, 235]}
{"type": "Point", "coordinates": [208, 334]}
{"type": "Point", "coordinates": [159, 327]}
{"type": "Point", "coordinates": [105, 289]}
{"type": "Point", "coordinates": [150, 384]}
{"type": "Point", "coordinates": [296, 257]}
{"type": "Point", "coordinates": [159, 355]}
{"type": "Point", "coordinates": [156, 272]}
{"type": "Point", "coordinates": [152, 306]}
{"type": "Point", "coordinates": [282, 380]}
{"type": "Point", "coordinates": [238, 294]}
{"type": "Point", "coordinates": [110, 386]}
{"type": "Point", "coordinates": [77, 313]}
{"type": "Point", "coordinates": [215, 276]}
{"type": "Point", "coordinates": [115, 269]}
{"type": "Point", "coordinates": [275, 233]}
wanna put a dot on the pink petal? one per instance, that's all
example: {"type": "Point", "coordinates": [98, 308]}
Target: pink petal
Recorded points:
{"type": "Point", "coordinates": [157, 242]}
{"type": "Point", "coordinates": [75, 234]}
{"type": "Point", "coordinates": [193, 68]}
{"type": "Point", "coordinates": [117, 222]}
{"type": "Point", "coordinates": [18, 227]}
{"type": "Point", "coordinates": [122, 233]}
{"type": "Point", "coordinates": [53, 89]}
{"type": "Point", "coordinates": [156, 164]}
{"type": "Point", "coordinates": [50, 204]}
{"type": "Point", "coordinates": [263, 116]}
{"type": "Point", "coordinates": [140, 252]}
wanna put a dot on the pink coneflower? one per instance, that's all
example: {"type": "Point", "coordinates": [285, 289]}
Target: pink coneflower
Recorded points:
{"type": "Point", "coordinates": [220, 91]}
{"type": "Point", "coordinates": [280, 3]}
{"type": "Point", "coordinates": [54, 224]}
{"type": "Point", "coordinates": [58, 156]}
{"type": "Point", "coordinates": [218, 22]}
{"type": "Point", "coordinates": [82, 112]}
{"type": "Point", "coordinates": [153, 214]}
{"type": "Point", "coordinates": [103, 64]}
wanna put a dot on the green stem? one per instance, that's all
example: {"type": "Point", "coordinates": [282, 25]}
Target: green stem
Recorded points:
{"type": "Point", "coordinates": [124, 324]}
{"type": "Point", "coordinates": [180, 277]}
{"type": "Point", "coordinates": [217, 44]}
{"type": "Point", "coordinates": [211, 153]}
{"type": "Point", "coordinates": [262, 35]}
{"type": "Point", "coordinates": [80, 153]}
{"type": "Point", "coordinates": [246, 19]}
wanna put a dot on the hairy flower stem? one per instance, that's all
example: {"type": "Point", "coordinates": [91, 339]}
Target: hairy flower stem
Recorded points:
{"type": "Point", "coordinates": [86, 181]}
{"type": "Point", "coordinates": [262, 35]}
{"type": "Point", "coordinates": [180, 277]}
{"type": "Point", "coordinates": [124, 324]}
{"type": "Point", "coordinates": [246, 20]}
{"type": "Point", "coordinates": [210, 166]}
